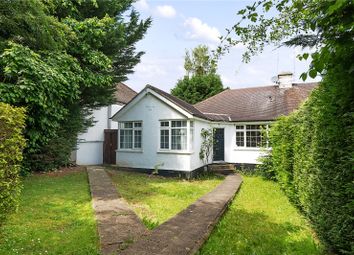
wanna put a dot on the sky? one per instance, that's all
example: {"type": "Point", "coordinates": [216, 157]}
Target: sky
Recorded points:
{"type": "Point", "coordinates": [181, 25]}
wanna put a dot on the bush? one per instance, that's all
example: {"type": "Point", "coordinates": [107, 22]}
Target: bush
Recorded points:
{"type": "Point", "coordinates": [312, 157]}
{"type": "Point", "coordinates": [265, 168]}
{"type": "Point", "coordinates": [12, 121]}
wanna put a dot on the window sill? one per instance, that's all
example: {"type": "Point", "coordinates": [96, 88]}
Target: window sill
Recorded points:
{"type": "Point", "coordinates": [175, 152]}
{"type": "Point", "coordinates": [129, 150]}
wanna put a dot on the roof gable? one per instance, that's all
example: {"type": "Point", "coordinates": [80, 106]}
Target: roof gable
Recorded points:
{"type": "Point", "coordinates": [177, 104]}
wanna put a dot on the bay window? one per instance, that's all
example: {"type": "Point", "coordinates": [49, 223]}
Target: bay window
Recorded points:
{"type": "Point", "coordinates": [251, 136]}
{"type": "Point", "coordinates": [174, 134]}
{"type": "Point", "coordinates": [130, 135]}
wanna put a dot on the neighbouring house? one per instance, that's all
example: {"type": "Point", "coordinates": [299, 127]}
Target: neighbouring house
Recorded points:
{"type": "Point", "coordinates": [158, 130]}
{"type": "Point", "coordinates": [90, 144]}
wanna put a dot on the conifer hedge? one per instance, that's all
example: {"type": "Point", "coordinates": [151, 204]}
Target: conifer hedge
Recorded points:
{"type": "Point", "coordinates": [312, 156]}
{"type": "Point", "coordinates": [12, 121]}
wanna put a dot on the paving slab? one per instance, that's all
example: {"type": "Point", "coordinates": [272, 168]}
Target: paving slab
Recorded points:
{"type": "Point", "coordinates": [118, 226]}
{"type": "Point", "coordinates": [186, 232]}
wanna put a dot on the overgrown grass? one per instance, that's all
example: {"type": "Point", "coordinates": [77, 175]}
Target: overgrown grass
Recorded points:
{"type": "Point", "coordinates": [156, 199]}
{"type": "Point", "coordinates": [261, 221]}
{"type": "Point", "coordinates": [55, 217]}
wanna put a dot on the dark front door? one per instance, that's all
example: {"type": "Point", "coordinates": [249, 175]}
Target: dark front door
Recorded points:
{"type": "Point", "coordinates": [110, 146]}
{"type": "Point", "coordinates": [218, 148]}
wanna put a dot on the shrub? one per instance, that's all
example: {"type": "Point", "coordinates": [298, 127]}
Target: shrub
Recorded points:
{"type": "Point", "coordinates": [312, 156]}
{"type": "Point", "coordinates": [265, 168]}
{"type": "Point", "coordinates": [12, 121]}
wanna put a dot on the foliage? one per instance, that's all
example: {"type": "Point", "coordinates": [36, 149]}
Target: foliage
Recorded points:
{"type": "Point", "coordinates": [156, 199]}
{"type": "Point", "coordinates": [206, 147]}
{"type": "Point", "coordinates": [265, 168]}
{"type": "Point", "coordinates": [197, 88]}
{"type": "Point", "coordinates": [199, 61]}
{"type": "Point", "coordinates": [12, 142]}
{"type": "Point", "coordinates": [60, 60]}
{"type": "Point", "coordinates": [201, 80]}
{"type": "Point", "coordinates": [314, 163]}
{"type": "Point", "coordinates": [55, 216]}
{"type": "Point", "coordinates": [312, 148]}
{"type": "Point", "coordinates": [261, 220]}
{"type": "Point", "coordinates": [325, 26]}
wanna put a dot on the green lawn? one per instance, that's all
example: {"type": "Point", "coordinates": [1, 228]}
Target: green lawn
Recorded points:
{"type": "Point", "coordinates": [156, 199]}
{"type": "Point", "coordinates": [55, 217]}
{"type": "Point", "coordinates": [261, 221]}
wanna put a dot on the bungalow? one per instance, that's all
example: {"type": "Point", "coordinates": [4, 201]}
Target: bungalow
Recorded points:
{"type": "Point", "coordinates": [90, 144]}
{"type": "Point", "coordinates": [158, 130]}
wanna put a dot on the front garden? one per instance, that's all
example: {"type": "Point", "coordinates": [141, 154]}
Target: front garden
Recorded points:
{"type": "Point", "coordinates": [55, 215]}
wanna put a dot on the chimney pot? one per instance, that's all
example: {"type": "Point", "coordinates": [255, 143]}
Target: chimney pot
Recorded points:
{"type": "Point", "coordinates": [285, 80]}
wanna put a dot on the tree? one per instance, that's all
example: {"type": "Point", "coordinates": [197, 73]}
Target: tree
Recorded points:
{"type": "Point", "coordinates": [201, 80]}
{"type": "Point", "coordinates": [197, 88]}
{"type": "Point", "coordinates": [60, 61]}
{"type": "Point", "coordinates": [199, 62]}
{"type": "Point", "coordinates": [314, 167]}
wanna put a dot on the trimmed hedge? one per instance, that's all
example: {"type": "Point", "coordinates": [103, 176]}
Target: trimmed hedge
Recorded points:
{"type": "Point", "coordinates": [312, 156]}
{"type": "Point", "coordinates": [12, 122]}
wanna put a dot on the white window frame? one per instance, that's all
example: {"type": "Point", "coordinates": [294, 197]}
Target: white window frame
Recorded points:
{"type": "Point", "coordinates": [121, 126]}
{"type": "Point", "coordinates": [244, 130]}
{"type": "Point", "coordinates": [189, 140]}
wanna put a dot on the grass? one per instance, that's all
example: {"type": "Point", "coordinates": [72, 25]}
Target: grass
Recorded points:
{"type": "Point", "coordinates": [261, 221]}
{"type": "Point", "coordinates": [55, 217]}
{"type": "Point", "coordinates": [156, 199]}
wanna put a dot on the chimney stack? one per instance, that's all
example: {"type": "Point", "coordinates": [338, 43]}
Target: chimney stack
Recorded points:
{"type": "Point", "coordinates": [285, 80]}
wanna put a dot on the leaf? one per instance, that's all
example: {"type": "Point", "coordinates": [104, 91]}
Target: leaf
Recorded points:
{"type": "Point", "coordinates": [313, 73]}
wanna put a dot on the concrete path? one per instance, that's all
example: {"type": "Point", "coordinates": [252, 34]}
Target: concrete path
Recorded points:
{"type": "Point", "coordinates": [186, 232]}
{"type": "Point", "coordinates": [118, 225]}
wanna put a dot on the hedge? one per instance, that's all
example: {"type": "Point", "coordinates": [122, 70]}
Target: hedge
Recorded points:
{"type": "Point", "coordinates": [312, 156]}
{"type": "Point", "coordinates": [12, 121]}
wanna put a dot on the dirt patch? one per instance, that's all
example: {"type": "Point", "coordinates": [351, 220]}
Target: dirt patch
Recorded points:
{"type": "Point", "coordinates": [62, 171]}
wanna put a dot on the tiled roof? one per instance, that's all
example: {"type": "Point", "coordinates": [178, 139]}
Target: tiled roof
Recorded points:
{"type": "Point", "coordinates": [184, 105]}
{"type": "Point", "coordinates": [255, 104]}
{"type": "Point", "coordinates": [123, 93]}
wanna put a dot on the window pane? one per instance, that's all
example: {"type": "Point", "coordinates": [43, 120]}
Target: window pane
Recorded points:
{"type": "Point", "coordinates": [253, 127]}
{"type": "Point", "coordinates": [126, 139]}
{"type": "Point", "coordinates": [165, 123]}
{"type": "Point", "coordinates": [128, 125]}
{"type": "Point", "coordinates": [179, 139]}
{"type": "Point", "coordinates": [179, 123]}
{"type": "Point", "coordinates": [164, 139]}
{"type": "Point", "coordinates": [137, 139]}
{"type": "Point", "coordinates": [240, 139]}
{"type": "Point", "coordinates": [253, 139]}
{"type": "Point", "coordinates": [240, 127]}
{"type": "Point", "coordinates": [137, 124]}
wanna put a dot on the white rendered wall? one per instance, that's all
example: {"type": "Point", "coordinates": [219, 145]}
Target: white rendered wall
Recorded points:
{"type": "Point", "coordinates": [90, 144]}
{"type": "Point", "coordinates": [150, 111]}
{"type": "Point", "coordinates": [232, 153]}
{"type": "Point", "coordinates": [195, 160]}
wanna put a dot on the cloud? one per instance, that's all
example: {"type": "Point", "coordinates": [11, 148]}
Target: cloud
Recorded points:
{"type": "Point", "coordinates": [200, 30]}
{"type": "Point", "coordinates": [166, 11]}
{"type": "Point", "coordinates": [142, 5]}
